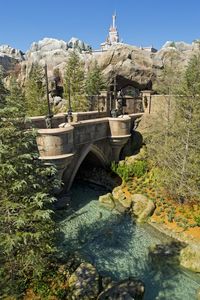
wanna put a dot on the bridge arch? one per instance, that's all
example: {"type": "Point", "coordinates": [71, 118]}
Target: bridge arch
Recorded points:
{"type": "Point", "coordinates": [87, 149]}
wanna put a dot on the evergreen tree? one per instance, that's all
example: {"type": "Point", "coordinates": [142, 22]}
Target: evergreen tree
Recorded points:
{"type": "Point", "coordinates": [74, 83]}
{"type": "Point", "coordinates": [35, 92]}
{"type": "Point", "coordinates": [95, 83]}
{"type": "Point", "coordinates": [178, 152]}
{"type": "Point", "coordinates": [26, 225]}
{"type": "Point", "coordinates": [3, 90]}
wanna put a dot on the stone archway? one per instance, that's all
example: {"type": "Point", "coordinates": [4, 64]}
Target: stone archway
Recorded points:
{"type": "Point", "coordinates": [87, 149]}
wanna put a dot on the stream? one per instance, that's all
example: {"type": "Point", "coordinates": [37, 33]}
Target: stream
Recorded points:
{"type": "Point", "coordinates": [119, 248]}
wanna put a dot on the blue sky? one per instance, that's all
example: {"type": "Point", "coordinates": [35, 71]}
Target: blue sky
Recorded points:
{"type": "Point", "coordinates": [140, 22]}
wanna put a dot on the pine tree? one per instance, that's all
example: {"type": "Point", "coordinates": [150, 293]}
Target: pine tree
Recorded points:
{"type": "Point", "coordinates": [95, 83]}
{"type": "Point", "coordinates": [178, 152]}
{"type": "Point", "coordinates": [35, 92]}
{"type": "Point", "coordinates": [74, 83]}
{"type": "Point", "coordinates": [3, 90]}
{"type": "Point", "coordinates": [26, 224]}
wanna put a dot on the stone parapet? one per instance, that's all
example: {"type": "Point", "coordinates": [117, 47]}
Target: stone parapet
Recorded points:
{"type": "Point", "coordinates": [120, 126]}
{"type": "Point", "coordinates": [55, 141]}
{"type": "Point", "coordinates": [56, 147]}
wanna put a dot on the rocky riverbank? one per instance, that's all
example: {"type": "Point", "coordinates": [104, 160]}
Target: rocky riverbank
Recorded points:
{"type": "Point", "coordinates": [78, 279]}
{"type": "Point", "coordinates": [144, 208]}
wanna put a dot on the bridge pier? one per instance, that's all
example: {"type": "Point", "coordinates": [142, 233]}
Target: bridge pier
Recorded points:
{"type": "Point", "coordinates": [117, 144]}
{"type": "Point", "coordinates": [119, 134]}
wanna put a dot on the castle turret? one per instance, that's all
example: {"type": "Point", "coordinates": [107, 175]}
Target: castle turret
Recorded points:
{"type": "Point", "coordinates": [113, 36]}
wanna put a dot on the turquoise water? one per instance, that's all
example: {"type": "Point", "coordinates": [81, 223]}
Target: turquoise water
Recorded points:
{"type": "Point", "coordinates": [118, 248]}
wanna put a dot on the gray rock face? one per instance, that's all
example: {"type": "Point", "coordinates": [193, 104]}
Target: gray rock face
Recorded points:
{"type": "Point", "coordinates": [9, 57]}
{"type": "Point", "coordinates": [11, 52]}
{"type": "Point", "coordinates": [53, 52]}
{"type": "Point", "coordinates": [75, 43]}
{"type": "Point", "coordinates": [128, 61]}
{"type": "Point", "coordinates": [138, 65]}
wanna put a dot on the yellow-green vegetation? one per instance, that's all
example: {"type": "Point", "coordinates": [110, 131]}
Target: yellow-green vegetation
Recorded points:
{"type": "Point", "coordinates": [140, 176]}
{"type": "Point", "coordinates": [173, 142]}
{"type": "Point", "coordinates": [126, 171]}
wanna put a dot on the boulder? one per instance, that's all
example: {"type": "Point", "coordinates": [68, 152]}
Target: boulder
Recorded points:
{"type": "Point", "coordinates": [198, 294]}
{"type": "Point", "coordinates": [119, 196]}
{"type": "Point", "coordinates": [126, 289]}
{"type": "Point", "coordinates": [127, 61]}
{"type": "Point", "coordinates": [83, 283]}
{"type": "Point", "coordinates": [142, 207]}
{"type": "Point", "coordinates": [107, 201]}
{"type": "Point", "coordinates": [190, 258]}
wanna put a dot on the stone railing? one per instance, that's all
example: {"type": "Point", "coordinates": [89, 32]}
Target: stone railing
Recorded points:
{"type": "Point", "coordinates": [39, 121]}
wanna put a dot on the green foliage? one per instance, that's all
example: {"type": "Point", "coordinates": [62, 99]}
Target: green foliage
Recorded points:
{"type": "Point", "coordinates": [74, 83]}
{"type": "Point", "coordinates": [36, 103]}
{"type": "Point", "coordinates": [126, 171]}
{"type": "Point", "coordinates": [95, 83]}
{"type": "Point", "coordinates": [174, 142]}
{"type": "Point", "coordinates": [26, 187]}
{"type": "Point", "coordinates": [3, 90]}
{"type": "Point", "coordinates": [170, 76]}
{"type": "Point", "coordinates": [197, 220]}
{"type": "Point", "coordinates": [171, 215]}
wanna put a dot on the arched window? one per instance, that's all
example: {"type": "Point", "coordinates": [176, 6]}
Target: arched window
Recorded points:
{"type": "Point", "coordinates": [131, 91]}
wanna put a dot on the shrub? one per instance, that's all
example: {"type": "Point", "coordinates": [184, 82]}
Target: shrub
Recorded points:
{"type": "Point", "coordinates": [197, 220]}
{"type": "Point", "coordinates": [125, 171]}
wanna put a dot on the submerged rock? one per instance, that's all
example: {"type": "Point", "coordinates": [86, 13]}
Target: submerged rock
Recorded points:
{"type": "Point", "coordinates": [170, 249]}
{"type": "Point", "coordinates": [190, 258]}
{"type": "Point", "coordinates": [83, 283]}
{"type": "Point", "coordinates": [126, 289]}
{"type": "Point", "coordinates": [142, 207]}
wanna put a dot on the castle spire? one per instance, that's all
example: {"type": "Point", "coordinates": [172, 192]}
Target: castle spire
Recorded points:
{"type": "Point", "coordinates": [114, 19]}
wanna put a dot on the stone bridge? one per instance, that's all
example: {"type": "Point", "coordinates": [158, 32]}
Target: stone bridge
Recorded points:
{"type": "Point", "coordinates": [68, 145]}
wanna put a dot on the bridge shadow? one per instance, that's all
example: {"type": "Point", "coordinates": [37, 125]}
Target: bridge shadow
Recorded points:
{"type": "Point", "coordinates": [133, 146]}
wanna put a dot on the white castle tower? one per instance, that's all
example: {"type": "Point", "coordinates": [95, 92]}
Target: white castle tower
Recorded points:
{"type": "Point", "coordinates": [113, 36]}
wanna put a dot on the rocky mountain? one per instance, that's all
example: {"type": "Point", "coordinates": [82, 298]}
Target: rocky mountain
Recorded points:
{"type": "Point", "coordinates": [9, 57]}
{"type": "Point", "coordinates": [133, 63]}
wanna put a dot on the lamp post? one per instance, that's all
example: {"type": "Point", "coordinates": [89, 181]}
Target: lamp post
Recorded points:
{"type": "Point", "coordinates": [114, 97]}
{"type": "Point", "coordinates": [69, 113]}
{"type": "Point", "coordinates": [49, 116]}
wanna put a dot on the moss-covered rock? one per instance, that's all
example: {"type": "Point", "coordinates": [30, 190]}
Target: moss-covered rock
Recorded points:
{"type": "Point", "coordinates": [190, 258]}
{"type": "Point", "coordinates": [142, 207]}
{"type": "Point", "coordinates": [107, 201]}
{"type": "Point", "coordinates": [119, 195]}
{"type": "Point", "coordinates": [83, 283]}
